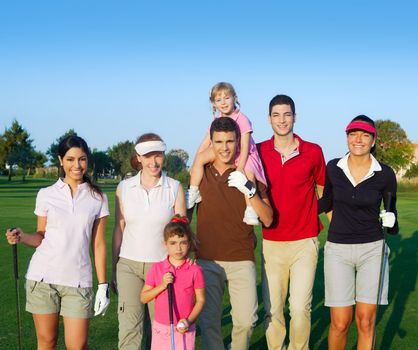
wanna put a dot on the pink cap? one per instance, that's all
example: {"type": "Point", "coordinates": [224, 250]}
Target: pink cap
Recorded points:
{"type": "Point", "coordinates": [360, 125]}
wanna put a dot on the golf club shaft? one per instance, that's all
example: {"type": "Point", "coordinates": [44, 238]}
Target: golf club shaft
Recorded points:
{"type": "Point", "coordinates": [383, 260]}
{"type": "Point", "coordinates": [16, 275]}
{"type": "Point", "coordinates": [170, 310]}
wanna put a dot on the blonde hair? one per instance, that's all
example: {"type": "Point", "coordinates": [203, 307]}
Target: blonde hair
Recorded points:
{"type": "Point", "coordinates": [222, 87]}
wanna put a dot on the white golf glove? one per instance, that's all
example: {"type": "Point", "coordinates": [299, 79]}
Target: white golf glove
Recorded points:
{"type": "Point", "coordinates": [102, 301]}
{"type": "Point", "coordinates": [239, 180]}
{"type": "Point", "coordinates": [388, 218]}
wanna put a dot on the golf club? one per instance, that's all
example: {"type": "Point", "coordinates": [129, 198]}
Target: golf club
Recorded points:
{"type": "Point", "coordinates": [170, 307]}
{"type": "Point", "coordinates": [16, 274]}
{"type": "Point", "coordinates": [383, 261]}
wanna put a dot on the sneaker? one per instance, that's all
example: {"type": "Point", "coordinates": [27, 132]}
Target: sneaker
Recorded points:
{"type": "Point", "coordinates": [250, 216]}
{"type": "Point", "coordinates": [192, 197]}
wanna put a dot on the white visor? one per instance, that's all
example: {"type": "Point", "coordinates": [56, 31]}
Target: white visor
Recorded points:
{"type": "Point", "coordinates": [150, 146]}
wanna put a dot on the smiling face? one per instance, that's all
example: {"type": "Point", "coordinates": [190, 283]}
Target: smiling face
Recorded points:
{"type": "Point", "coordinates": [224, 102]}
{"type": "Point", "coordinates": [282, 119]}
{"type": "Point", "coordinates": [152, 163]}
{"type": "Point", "coordinates": [177, 248]}
{"type": "Point", "coordinates": [360, 142]}
{"type": "Point", "coordinates": [224, 144]}
{"type": "Point", "coordinates": [75, 164]}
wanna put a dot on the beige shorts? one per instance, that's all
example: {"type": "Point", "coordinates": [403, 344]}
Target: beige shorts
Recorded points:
{"type": "Point", "coordinates": [45, 298]}
{"type": "Point", "coordinates": [352, 273]}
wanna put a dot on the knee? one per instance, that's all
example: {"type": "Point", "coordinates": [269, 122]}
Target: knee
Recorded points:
{"type": "Point", "coordinates": [300, 311]}
{"type": "Point", "coordinates": [245, 323]}
{"type": "Point", "coordinates": [243, 327]}
{"type": "Point", "coordinates": [364, 324]}
{"type": "Point", "coordinates": [340, 326]}
{"type": "Point", "coordinates": [47, 341]}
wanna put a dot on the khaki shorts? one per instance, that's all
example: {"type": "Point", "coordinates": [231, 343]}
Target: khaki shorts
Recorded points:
{"type": "Point", "coordinates": [352, 273]}
{"type": "Point", "coordinates": [45, 298]}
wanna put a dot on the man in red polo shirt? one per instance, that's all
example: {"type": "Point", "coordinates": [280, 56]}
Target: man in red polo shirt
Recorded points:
{"type": "Point", "coordinates": [295, 172]}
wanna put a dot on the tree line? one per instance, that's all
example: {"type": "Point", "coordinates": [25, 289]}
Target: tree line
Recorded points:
{"type": "Point", "coordinates": [17, 151]}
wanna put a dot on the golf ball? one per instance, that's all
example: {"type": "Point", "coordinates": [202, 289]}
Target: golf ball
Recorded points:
{"type": "Point", "coordinates": [181, 325]}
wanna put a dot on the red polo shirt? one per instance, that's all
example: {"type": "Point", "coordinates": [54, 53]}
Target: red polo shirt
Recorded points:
{"type": "Point", "coordinates": [291, 190]}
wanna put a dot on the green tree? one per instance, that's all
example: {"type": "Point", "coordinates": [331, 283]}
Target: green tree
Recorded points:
{"type": "Point", "coordinates": [52, 151]}
{"type": "Point", "coordinates": [175, 161]}
{"type": "Point", "coordinates": [16, 148]}
{"type": "Point", "coordinates": [121, 157]}
{"type": "Point", "coordinates": [412, 172]}
{"type": "Point", "coordinates": [23, 158]}
{"type": "Point", "coordinates": [101, 164]}
{"type": "Point", "coordinates": [392, 146]}
{"type": "Point", "coordinates": [37, 160]}
{"type": "Point", "coordinates": [40, 159]}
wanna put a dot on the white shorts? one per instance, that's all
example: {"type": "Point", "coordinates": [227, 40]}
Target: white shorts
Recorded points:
{"type": "Point", "coordinates": [352, 273]}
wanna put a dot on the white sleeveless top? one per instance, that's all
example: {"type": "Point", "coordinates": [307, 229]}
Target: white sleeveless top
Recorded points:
{"type": "Point", "coordinates": [146, 214]}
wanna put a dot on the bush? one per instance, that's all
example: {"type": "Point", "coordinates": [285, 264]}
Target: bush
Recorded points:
{"type": "Point", "coordinates": [408, 185]}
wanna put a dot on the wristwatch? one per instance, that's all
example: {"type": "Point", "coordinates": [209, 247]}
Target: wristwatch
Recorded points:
{"type": "Point", "coordinates": [250, 186]}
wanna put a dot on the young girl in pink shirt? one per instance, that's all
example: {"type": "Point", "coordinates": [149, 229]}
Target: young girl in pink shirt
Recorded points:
{"type": "Point", "coordinates": [225, 104]}
{"type": "Point", "coordinates": [188, 289]}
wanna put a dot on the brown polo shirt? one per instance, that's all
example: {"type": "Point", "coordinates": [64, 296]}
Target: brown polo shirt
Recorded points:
{"type": "Point", "coordinates": [221, 232]}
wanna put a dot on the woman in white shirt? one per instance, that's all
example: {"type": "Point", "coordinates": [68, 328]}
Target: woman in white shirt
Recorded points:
{"type": "Point", "coordinates": [71, 214]}
{"type": "Point", "coordinates": [145, 203]}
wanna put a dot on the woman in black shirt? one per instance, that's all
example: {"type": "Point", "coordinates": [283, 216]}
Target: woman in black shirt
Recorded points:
{"type": "Point", "coordinates": [355, 187]}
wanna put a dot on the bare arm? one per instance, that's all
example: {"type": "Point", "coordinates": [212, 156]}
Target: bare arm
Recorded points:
{"type": "Point", "coordinates": [180, 204]}
{"type": "Point", "coordinates": [149, 293]}
{"type": "Point", "coordinates": [198, 306]}
{"type": "Point", "coordinates": [117, 236]}
{"type": "Point", "coordinates": [263, 209]}
{"type": "Point", "coordinates": [244, 150]}
{"type": "Point", "coordinates": [99, 248]}
{"type": "Point", "coordinates": [319, 191]}
{"type": "Point", "coordinates": [205, 144]}
{"type": "Point", "coordinates": [329, 215]}
{"type": "Point", "coordinates": [17, 235]}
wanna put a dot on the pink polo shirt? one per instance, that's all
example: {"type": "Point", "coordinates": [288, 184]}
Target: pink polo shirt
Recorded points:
{"type": "Point", "coordinates": [63, 256]}
{"type": "Point", "coordinates": [187, 278]}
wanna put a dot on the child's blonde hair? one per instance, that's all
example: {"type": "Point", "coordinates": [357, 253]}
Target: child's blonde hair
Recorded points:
{"type": "Point", "coordinates": [179, 226]}
{"type": "Point", "coordinates": [222, 87]}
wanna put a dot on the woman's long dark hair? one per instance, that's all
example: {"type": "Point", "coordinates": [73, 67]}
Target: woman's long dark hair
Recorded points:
{"type": "Point", "coordinates": [76, 141]}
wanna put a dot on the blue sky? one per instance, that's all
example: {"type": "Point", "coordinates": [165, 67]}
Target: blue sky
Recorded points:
{"type": "Point", "coordinates": [113, 70]}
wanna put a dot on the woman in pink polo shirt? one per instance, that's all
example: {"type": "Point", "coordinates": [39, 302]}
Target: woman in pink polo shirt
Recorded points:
{"type": "Point", "coordinates": [145, 203]}
{"type": "Point", "coordinates": [71, 214]}
{"type": "Point", "coordinates": [188, 289]}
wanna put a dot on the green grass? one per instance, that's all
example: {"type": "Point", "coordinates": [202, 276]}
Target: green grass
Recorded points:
{"type": "Point", "coordinates": [397, 323]}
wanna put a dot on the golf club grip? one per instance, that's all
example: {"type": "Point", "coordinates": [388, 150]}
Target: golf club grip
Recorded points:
{"type": "Point", "coordinates": [170, 301]}
{"type": "Point", "coordinates": [15, 266]}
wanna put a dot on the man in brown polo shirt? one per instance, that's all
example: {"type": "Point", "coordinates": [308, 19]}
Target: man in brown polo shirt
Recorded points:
{"type": "Point", "coordinates": [226, 243]}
